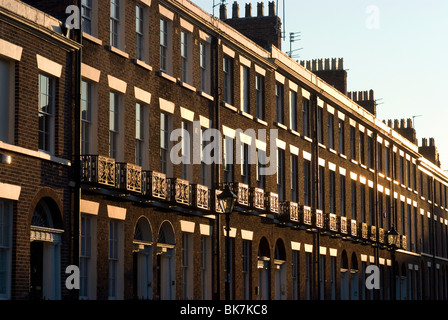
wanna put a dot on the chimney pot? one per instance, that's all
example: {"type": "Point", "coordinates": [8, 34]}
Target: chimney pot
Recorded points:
{"type": "Point", "coordinates": [409, 123]}
{"type": "Point", "coordinates": [402, 123]}
{"type": "Point", "coordinates": [431, 142]}
{"type": "Point", "coordinates": [223, 12]}
{"type": "Point", "coordinates": [260, 9]}
{"type": "Point", "coordinates": [235, 10]}
{"type": "Point", "coordinates": [248, 10]}
{"type": "Point", "coordinates": [396, 122]}
{"type": "Point", "coordinates": [272, 9]}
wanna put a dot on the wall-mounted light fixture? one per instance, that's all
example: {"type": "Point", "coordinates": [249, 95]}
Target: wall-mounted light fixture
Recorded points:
{"type": "Point", "coordinates": [5, 159]}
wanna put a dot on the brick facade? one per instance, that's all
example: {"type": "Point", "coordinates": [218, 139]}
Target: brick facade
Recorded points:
{"type": "Point", "coordinates": [178, 255]}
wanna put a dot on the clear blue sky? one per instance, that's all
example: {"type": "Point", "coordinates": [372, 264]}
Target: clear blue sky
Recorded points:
{"type": "Point", "coordinates": [397, 48]}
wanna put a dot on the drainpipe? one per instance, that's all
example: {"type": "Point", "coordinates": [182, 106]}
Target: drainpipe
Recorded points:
{"type": "Point", "coordinates": [317, 196]}
{"type": "Point", "coordinates": [77, 154]}
{"type": "Point", "coordinates": [216, 174]}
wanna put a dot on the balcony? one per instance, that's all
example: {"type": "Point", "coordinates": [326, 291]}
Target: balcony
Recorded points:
{"type": "Point", "coordinates": [179, 191]}
{"type": "Point", "coordinates": [353, 228]}
{"type": "Point", "coordinates": [257, 199]}
{"type": "Point", "coordinates": [306, 215]}
{"type": "Point", "coordinates": [128, 177]}
{"type": "Point", "coordinates": [290, 211]}
{"type": "Point", "coordinates": [343, 225]}
{"type": "Point", "coordinates": [373, 233]}
{"type": "Point", "coordinates": [381, 236]}
{"type": "Point", "coordinates": [217, 206]}
{"type": "Point", "coordinates": [154, 185]}
{"type": "Point", "coordinates": [320, 219]}
{"type": "Point", "coordinates": [332, 222]}
{"type": "Point", "coordinates": [201, 196]}
{"type": "Point", "coordinates": [98, 170]}
{"type": "Point", "coordinates": [241, 190]}
{"type": "Point", "coordinates": [364, 231]}
{"type": "Point", "coordinates": [404, 242]}
{"type": "Point", "coordinates": [272, 202]}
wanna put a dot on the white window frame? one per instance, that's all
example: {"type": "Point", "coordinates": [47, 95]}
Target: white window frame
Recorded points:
{"type": "Point", "coordinates": [115, 25]}
{"type": "Point", "coordinates": [204, 64]}
{"type": "Point", "coordinates": [187, 265]}
{"type": "Point", "coordinates": [86, 117]}
{"type": "Point", "coordinates": [140, 134]}
{"type": "Point", "coordinates": [228, 79]}
{"type": "Point", "coordinates": [87, 263]}
{"type": "Point", "coordinates": [48, 132]}
{"type": "Point", "coordinates": [245, 88]}
{"type": "Point", "coordinates": [115, 124]}
{"type": "Point", "coordinates": [6, 208]}
{"type": "Point", "coordinates": [185, 56]}
{"type": "Point", "coordinates": [165, 46]}
{"type": "Point", "coordinates": [7, 101]}
{"type": "Point", "coordinates": [115, 257]}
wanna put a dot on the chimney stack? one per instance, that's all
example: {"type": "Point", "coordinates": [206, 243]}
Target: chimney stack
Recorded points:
{"type": "Point", "coordinates": [260, 9]}
{"type": "Point", "coordinates": [248, 10]}
{"type": "Point", "coordinates": [272, 10]}
{"type": "Point", "coordinates": [222, 11]}
{"type": "Point", "coordinates": [235, 10]}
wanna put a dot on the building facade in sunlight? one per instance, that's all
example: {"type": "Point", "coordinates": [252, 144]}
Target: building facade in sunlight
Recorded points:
{"type": "Point", "coordinates": [103, 183]}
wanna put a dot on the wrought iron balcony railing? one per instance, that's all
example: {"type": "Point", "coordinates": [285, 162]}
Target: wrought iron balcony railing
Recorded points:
{"type": "Point", "coordinates": [201, 197]}
{"type": "Point", "coordinates": [332, 222]}
{"type": "Point", "coordinates": [241, 190]}
{"type": "Point", "coordinates": [180, 191]}
{"type": "Point", "coordinates": [306, 214]}
{"type": "Point", "coordinates": [364, 231]}
{"type": "Point", "coordinates": [128, 177]}
{"type": "Point", "coordinates": [404, 242]}
{"type": "Point", "coordinates": [320, 221]}
{"type": "Point", "coordinates": [272, 204]}
{"type": "Point", "coordinates": [373, 233]}
{"type": "Point", "coordinates": [290, 211]}
{"type": "Point", "coordinates": [258, 199]}
{"type": "Point", "coordinates": [381, 236]}
{"type": "Point", "coordinates": [217, 206]}
{"type": "Point", "coordinates": [154, 185]}
{"type": "Point", "coordinates": [343, 225]}
{"type": "Point", "coordinates": [98, 169]}
{"type": "Point", "coordinates": [353, 228]}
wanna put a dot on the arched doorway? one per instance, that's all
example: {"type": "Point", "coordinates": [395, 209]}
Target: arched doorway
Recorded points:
{"type": "Point", "coordinates": [142, 256]}
{"type": "Point", "coordinates": [166, 262]}
{"type": "Point", "coordinates": [344, 276]}
{"type": "Point", "coordinates": [354, 278]}
{"type": "Point", "coordinates": [264, 259]}
{"type": "Point", "coordinates": [45, 251]}
{"type": "Point", "coordinates": [280, 270]}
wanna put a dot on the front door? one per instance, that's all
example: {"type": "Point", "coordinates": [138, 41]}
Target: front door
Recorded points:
{"type": "Point", "coordinates": [36, 270]}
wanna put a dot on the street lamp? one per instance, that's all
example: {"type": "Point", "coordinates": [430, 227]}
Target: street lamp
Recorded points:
{"type": "Point", "coordinates": [227, 200]}
{"type": "Point", "coordinates": [392, 237]}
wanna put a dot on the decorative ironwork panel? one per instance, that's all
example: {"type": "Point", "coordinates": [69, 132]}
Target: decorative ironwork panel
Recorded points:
{"type": "Point", "coordinates": [307, 216]}
{"type": "Point", "coordinates": [343, 225]}
{"type": "Point", "coordinates": [319, 219]}
{"type": "Point", "coordinates": [354, 228]}
{"type": "Point", "coordinates": [373, 233]}
{"type": "Point", "coordinates": [258, 198]}
{"type": "Point", "coordinates": [201, 197]}
{"type": "Point", "coordinates": [404, 242]}
{"type": "Point", "coordinates": [129, 177]}
{"type": "Point", "coordinates": [272, 202]}
{"type": "Point", "coordinates": [243, 194]}
{"type": "Point", "coordinates": [332, 222]}
{"type": "Point", "coordinates": [364, 230]}
{"type": "Point", "coordinates": [180, 191]}
{"type": "Point", "coordinates": [217, 206]}
{"type": "Point", "coordinates": [381, 235]}
{"type": "Point", "coordinates": [98, 169]}
{"type": "Point", "coordinates": [290, 211]}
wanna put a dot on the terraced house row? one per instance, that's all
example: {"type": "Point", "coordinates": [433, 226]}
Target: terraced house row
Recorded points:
{"type": "Point", "coordinates": [88, 176]}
